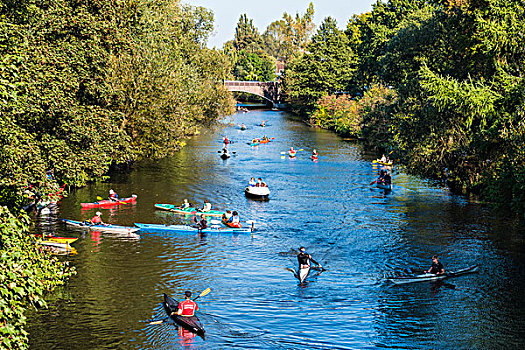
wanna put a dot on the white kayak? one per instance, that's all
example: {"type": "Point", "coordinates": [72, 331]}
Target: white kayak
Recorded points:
{"type": "Point", "coordinates": [431, 276]}
{"type": "Point", "coordinates": [257, 192]}
{"type": "Point", "coordinates": [302, 274]}
{"type": "Point", "coordinates": [103, 227]}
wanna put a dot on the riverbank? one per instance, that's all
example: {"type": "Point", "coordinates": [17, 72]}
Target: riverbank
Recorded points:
{"type": "Point", "coordinates": [27, 274]}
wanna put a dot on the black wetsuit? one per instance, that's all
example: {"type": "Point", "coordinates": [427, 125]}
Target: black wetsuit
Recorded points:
{"type": "Point", "coordinates": [303, 259]}
{"type": "Point", "coordinates": [435, 268]}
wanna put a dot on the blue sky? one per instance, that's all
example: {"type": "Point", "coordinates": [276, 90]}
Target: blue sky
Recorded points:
{"type": "Point", "coordinates": [227, 13]}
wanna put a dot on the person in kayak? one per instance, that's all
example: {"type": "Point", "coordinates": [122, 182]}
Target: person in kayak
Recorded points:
{"type": "Point", "coordinates": [260, 183]}
{"type": "Point", "coordinates": [187, 307]}
{"type": "Point", "coordinates": [96, 220]}
{"type": "Point", "coordinates": [314, 154]}
{"type": "Point", "coordinates": [200, 224]}
{"type": "Point", "coordinates": [304, 259]}
{"type": "Point", "coordinates": [234, 219]}
{"type": "Point", "coordinates": [437, 267]}
{"type": "Point", "coordinates": [206, 207]}
{"type": "Point", "coordinates": [243, 127]}
{"type": "Point", "coordinates": [185, 204]}
{"type": "Point", "coordinates": [252, 182]}
{"type": "Point", "coordinates": [387, 179]}
{"type": "Point", "coordinates": [113, 196]}
{"type": "Point", "coordinates": [227, 215]}
{"type": "Point", "coordinates": [265, 138]}
{"type": "Point", "coordinates": [263, 123]}
{"type": "Point", "coordinates": [381, 177]}
{"type": "Point", "coordinates": [225, 140]}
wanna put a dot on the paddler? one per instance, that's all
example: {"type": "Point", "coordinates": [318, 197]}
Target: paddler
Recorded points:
{"type": "Point", "coordinates": [200, 224]}
{"type": "Point", "coordinates": [243, 127]}
{"type": "Point", "coordinates": [234, 219]}
{"type": "Point", "coordinates": [187, 307]}
{"type": "Point", "coordinates": [437, 267]}
{"type": "Point", "coordinates": [314, 154]}
{"type": "Point", "coordinates": [185, 204]}
{"type": "Point", "coordinates": [96, 220]}
{"type": "Point", "coordinates": [113, 196]}
{"type": "Point", "coordinates": [304, 259]}
{"type": "Point", "coordinates": [263, 123]}
{"type": "Point", "coordinates": [252, 182]}
{"type": "Point", "coordinates": [225, 140]}
{"type": "Point", "coordinates": [265, 138]}
{"type": "Point", "coordinates": [206, 207]}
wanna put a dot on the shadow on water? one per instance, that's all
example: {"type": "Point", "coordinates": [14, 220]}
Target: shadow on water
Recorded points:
{"type": "Point", "coordinates": [358, 232]}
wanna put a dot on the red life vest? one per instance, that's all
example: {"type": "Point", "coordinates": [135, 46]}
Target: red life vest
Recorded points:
{"type": "Point", "coordinates": [188, 307]}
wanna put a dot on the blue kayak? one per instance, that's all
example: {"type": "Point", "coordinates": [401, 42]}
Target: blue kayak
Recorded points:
{"type": "Point", "coordinates": [190, 229]}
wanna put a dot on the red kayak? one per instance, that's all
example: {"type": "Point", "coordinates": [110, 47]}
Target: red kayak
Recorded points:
{"type": "Point", "coordinates": [109, 203]}
{"type": "Point", "coordinates": [231, 224]}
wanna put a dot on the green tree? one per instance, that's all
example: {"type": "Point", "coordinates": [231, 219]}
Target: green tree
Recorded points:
{"type": "Point", "coordinates": [327, 67]}
{"type": "Point", "coordinates": [247, 36]}
{"type": "Point", "coordinates": [254, 67]}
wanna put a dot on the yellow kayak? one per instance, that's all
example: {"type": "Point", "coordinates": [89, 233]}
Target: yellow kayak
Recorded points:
{"type": "Point", "coordinates": [56, 239]}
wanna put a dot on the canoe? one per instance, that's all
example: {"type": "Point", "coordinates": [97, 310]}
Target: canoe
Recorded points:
{"type": "Point", "coordinates": [56, 239]}
{"type": "Point", "coordinates": [190, 229]}
{"type": "Point", "coordinates": [108, 228]}
{"type": "Point", "coordinates": [188, 211]}
{"type": "Point", "coordinates": [257, 192]}
{"type": "Point", "coordinates": [231, 224]}
{"type": "Point", "coordinates": [109, 203]}
{"type": "Point", "coordinates": [191, 323]}
{"type": "Point", "coordinates": [431, 276]}
{"type": "Point", "coordinates": [384, 186]}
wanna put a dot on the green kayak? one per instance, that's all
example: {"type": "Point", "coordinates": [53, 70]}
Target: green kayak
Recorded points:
{"type": "Point", "coordinates": [188, 211]}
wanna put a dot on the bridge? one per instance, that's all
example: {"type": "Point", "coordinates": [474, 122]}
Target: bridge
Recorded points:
{"type": "Point", "coordinates": [269, 90]}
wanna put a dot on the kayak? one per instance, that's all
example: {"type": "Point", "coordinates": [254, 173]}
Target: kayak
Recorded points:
{"type": "Point", "coordinates": [109, 203]}
{"type": "Point", "coordinates": [384, 186]}
{"type": "Point", "coordinates": [314, 157]}
{"type": "Point", "coordinates": [265, 141]}
{"type": "Point", "coordinates": [231, 224]}
{"type": "Point", "coordinates": [291, 154]}
{"type": "Point", "coordinates": [254, 142]}
{"type": "Point", "coordinates": [225, 156]}
{"type": "Point", "coordinates": [103, 227]}
{"type": "Point", "coordinates": [56, 239]}
{"type": "Point", "coordinates": [191, 323]}
{"type": "Point", "coordinates": [383, 163]}
{"type": "Point", "coordinates": [190, 229]}
{"type": "Point", "coordinates": [431, 276]}
{"type": "Point", "coordinates": [302, 274]}
{"type": "Point", "coordinates": [188, 211]}
{"type": "Point", "coordinates": [57, 249]}
{"type": "Point", "coordinates": [257, 192]}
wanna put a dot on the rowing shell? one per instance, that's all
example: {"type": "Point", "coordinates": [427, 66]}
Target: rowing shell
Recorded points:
{"type": "Point", "coordinates": [431, 276]}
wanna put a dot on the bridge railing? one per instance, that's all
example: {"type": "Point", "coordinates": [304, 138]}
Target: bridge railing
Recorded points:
{"type": "Point", "coordinates": [248, 83]}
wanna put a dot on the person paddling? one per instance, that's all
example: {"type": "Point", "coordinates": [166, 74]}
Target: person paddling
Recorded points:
{"type": "Point", "coordinates": [113, 195]}
{"type": "Point", "coordinates": [314, 154]}
{"type": "Point", "coordinates": [437, 267]}
{"type": "Point", "coordinates": [96, 220]}
{"type": "Point", "coordinates": [260, 183]}
{"type": "Point", "coordinates": [252, 182]}
{"type": "Point", "coordinates": [185, 204]}
{"type": "Point", "coordinates": [187, 307]}
{"type": "Point", "coordinates": [304, 259]}
{"type": "Point", "coordinates": [200, 224]}
{"type": "Point", "coordinates": [234, 219]}
{"type": "Point", "coordinates": [206, 207]}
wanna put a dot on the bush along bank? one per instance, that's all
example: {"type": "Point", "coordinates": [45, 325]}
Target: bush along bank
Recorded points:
{"type": "Point", "coordinates": [26, 275]}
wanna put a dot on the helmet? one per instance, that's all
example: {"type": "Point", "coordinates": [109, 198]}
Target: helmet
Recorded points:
{"type": "Point", "coordinates": [111, 192]}
{"type": "Point", "coordinates": [98, 213]}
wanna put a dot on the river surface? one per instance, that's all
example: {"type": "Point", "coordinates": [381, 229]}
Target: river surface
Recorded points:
{"type": "Point", "coordinates": [360, 234]}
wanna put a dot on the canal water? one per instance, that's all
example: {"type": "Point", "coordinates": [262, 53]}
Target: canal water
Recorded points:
{"type": "Point", "coordinates": [359, 233]}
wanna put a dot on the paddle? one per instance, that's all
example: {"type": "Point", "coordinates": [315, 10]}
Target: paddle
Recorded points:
{"type": "Point", "coordinates": [203, 293]}
{"type": "Point", "coordinates": [100, 199]}
{"type": "Point", "coordinates": [373, 182]}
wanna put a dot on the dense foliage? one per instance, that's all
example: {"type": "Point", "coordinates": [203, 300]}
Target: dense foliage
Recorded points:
{"type": "Point", "coordinates": [456, 69]}
{"type": "Point", "coordinates": [329, 59]}
{"type": "Point", "coordinates": [26, 274]}
{"type": "Point", "coordinates": [87, 84]}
